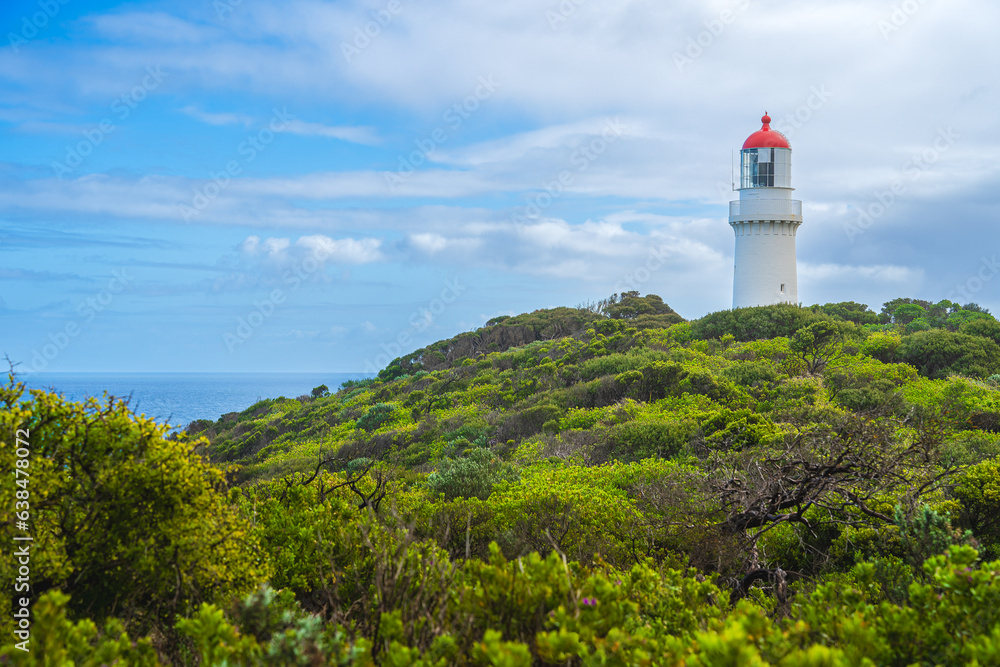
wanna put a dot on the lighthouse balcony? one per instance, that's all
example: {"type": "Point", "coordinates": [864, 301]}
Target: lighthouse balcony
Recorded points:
{"type": "Point", "coordinates": [765, 209]}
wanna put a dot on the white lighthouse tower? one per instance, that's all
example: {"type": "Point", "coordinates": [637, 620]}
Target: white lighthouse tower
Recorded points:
{"type": "Point", "coordinates": [765, 220]}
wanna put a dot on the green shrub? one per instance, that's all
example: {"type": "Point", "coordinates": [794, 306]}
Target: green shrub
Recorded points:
{"type": "Point", "coordinates": [882, 346]}
{"type": "Point", "coordinates": [762, 322]}
{"type": "Point", "coordinates": [472, 476]}
{"type": "Point", "coordinates": [751, 373]}
{"type": "Point", "coordinates": [978, 491]}
{"type": "Point", "coordinates": [939, 353]}
{"type": "Point", "coordinates": [637, 440]}
{"type": "Point", "coordinates": [926, 533]}
{"type": "Point", "coordinates": [985, 327]}
{"type": "Point", "coordinates": [375, 417]}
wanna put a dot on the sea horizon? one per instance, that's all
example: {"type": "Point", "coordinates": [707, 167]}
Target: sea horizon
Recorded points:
{"type": "Point", "coordinates": [179, 397]}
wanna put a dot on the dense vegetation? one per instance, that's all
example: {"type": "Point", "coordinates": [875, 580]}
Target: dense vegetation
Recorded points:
{"type": "Point", "coordinates": [601, 485]}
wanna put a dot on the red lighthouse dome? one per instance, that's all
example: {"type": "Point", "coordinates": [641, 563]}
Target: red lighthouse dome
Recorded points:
{"type": "Point", "coordinates": [765, 137]}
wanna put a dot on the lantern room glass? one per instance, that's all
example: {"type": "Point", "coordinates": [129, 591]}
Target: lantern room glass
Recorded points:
{"type": "Point", "coordinates": [765, 168]}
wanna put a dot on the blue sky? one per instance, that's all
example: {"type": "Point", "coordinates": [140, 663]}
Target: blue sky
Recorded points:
{"type": "Point", "coordinates": [254, 185]}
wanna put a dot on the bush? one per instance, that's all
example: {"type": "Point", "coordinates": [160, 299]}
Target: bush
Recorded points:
{"type": "Point", "coordinates": [751, 373]}
{"type": "Point", "coordinates": [983, 327]}
{"type": "Point", "coordinates": [939, 353]}
{"type": "Point", "coordinates": [979, 493]}
{"type": "Point", "coordinates": [472, 476]}
{"type": "Point", "coordinates": [882, 346]}
{"type": "Point", "coordinates": [125, 520]}
{"type": "Point", "coordinates": [637, 440]}
{"type": "Point", "coordinates": [527, 422]}
{"type": "Point", "coordinates": [748, 324]}
{"type": "Point", "coordinates": [849, 311]}
{"type": "Point", "coordinates": [375, 417]}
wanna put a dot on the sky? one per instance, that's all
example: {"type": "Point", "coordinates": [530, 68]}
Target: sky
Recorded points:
{"type": "Point", "coordinates": [298, 185]}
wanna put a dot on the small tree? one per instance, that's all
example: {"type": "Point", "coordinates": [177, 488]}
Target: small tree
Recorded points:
{"type": "Point", "coordinates": [818, 344]}
{"type": "Point", "coordinates": [321, 390]}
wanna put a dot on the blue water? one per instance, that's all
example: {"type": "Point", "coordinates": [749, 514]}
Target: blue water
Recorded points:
{"type": "Point", "coordinates": [180, 398]}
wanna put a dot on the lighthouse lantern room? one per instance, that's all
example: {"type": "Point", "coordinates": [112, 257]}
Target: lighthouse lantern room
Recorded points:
{"type": "Point", "coordinates": [765, 220]}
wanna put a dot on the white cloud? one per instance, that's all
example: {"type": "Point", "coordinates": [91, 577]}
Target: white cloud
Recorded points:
{"type": "Point", "coordinates": [280, 250]}
{"type": "Point", "coordinates": [348, 251]}
{"type": "Point", "coordinates": [225, 118]}
{"type": "Point", "coordinates": [899, 275]}
{"type": "Point", "coordinates": [357, 135]}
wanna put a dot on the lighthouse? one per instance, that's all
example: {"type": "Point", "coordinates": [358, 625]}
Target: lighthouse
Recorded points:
{"type": "Point", "coordinates": [765, 220]}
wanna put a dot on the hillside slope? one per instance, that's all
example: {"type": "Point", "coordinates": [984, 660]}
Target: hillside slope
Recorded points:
{"type": "Point", "coordinates": [780, 485]}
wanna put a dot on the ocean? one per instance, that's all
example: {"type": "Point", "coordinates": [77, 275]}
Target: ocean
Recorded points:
{"type": "Point", "coordinates": [180, 398]}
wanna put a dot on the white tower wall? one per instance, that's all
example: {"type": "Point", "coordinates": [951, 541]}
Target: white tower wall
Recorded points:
{"type": "Point", "coordinates": [765, 221]}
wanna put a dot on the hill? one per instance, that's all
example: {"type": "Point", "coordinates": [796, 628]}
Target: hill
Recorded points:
{"type": "Point", "coordinates": [570, 486]}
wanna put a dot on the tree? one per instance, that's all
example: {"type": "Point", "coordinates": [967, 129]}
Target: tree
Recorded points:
{"type": "Point", "coordinates": [976, 308]}
{"type": "Point", "coordinates": [756, 323]}
{"type": "Point", "coordinates": [818, 344]}
{"type": "Point", "coordinates": [321, 390]}
{"type": "Point", "coordinates": [979, 493]}
{"type": "Point", "coordinates": [126, 520]}
{"type": "Point", "coordinates": [629, 306]}
{"type": "Point", "coordinates": [832, 476]}
{"type": "Point", "coordinates": [908, 312]}
{"type": "Point", "coordinates": [984, 328]}
{"type": "Point", "coordinates": [938, 353]}
{"type": "Point", "coordinates": [849, 311]}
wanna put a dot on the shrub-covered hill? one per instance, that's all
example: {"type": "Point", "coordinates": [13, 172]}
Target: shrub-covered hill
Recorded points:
{"type": "Point", "coordinates": [781, 485]}
{"type": "Point", "coordinates": [593, 387]}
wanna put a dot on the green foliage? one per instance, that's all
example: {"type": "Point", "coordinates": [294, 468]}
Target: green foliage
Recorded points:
{"type": "Point", "coordinates": [908, 312]}
{"type": "Point", "coordinates": [984, 326]}
{"type": "Point", "coordinates": [637, 440]}
{"type": "Point", "coordinates": [762, 322]}
{"type": "Point", "coordinates": [55, 639]}
{"type": "Point", "coordinates": [472, 476]}
{"type": "Point", "coordinates": [595, 449]}
{"type": "Point", "coordinates": [125, 520]}
{"type": "Point", "coordinates": [818, 344]}
{"type": "Point", "coordinates": [631, 306]}
{"type": "Point", "coordinates": [938, 353]}
{"type": "Point", "coordinates": [926, 533]}
{"type": "Point", "coordinates": [979, 494]}
{"type": "Point", "coordinates": [882, 346]}
{"type": "Point", "coordinates": [849, 311]}
{"type": "Point", "coordinates": [375, 417]}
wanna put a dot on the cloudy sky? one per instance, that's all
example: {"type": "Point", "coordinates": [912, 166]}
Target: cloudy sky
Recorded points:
{"type": "Point", "coordinates": [297, 185]}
